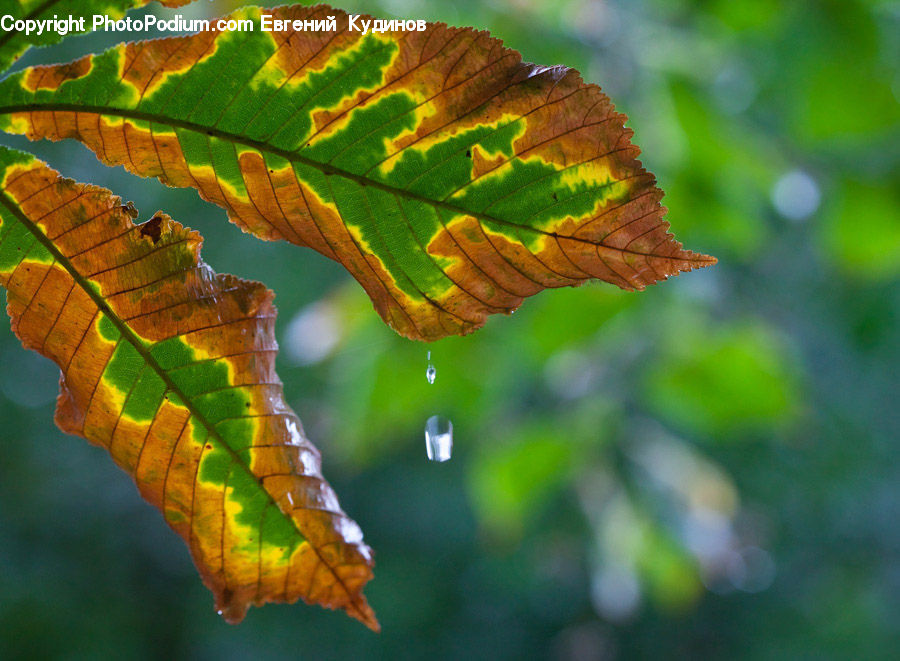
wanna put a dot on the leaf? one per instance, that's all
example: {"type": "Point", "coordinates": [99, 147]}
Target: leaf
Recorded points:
{"type": "Point", "coordinates": [14, 43]}
{"type": "Point", "coordinates": [171, 368]}
{"type": "Point", "coordinates": [451, 179]}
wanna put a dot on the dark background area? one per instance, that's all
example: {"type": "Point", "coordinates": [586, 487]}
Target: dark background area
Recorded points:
{"type": "Point", "coordinates": [707, 469]}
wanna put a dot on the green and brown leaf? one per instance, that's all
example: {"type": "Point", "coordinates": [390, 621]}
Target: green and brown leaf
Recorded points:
{"type": "Point", "coordinates": [171, 368]}
{"type": "Point", "coordinates": [449, 177]}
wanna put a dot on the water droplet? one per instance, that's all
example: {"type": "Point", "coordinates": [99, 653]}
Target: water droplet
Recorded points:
{"type": "Point", "coordinates": [218, 612]}
{"type": "Point", "coordinates": [430, 373]}
{"type": "Point", "coordinates": [438, 438]}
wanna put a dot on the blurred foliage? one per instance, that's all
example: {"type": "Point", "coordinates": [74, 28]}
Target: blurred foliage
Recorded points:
{"type": "Point", "coordinates": [705, 469]}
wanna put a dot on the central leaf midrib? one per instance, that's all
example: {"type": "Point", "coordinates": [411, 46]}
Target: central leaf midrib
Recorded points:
{"type": "Point", "coordinates": [133, 338]}
{"type": "Point", "coordinates": [293, 156]}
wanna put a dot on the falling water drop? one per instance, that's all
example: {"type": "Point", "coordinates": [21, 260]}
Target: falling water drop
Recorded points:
{"type": "Point", "coordinates": [438, 438]}
{"type": "Point", "coordinates": [431, 371]}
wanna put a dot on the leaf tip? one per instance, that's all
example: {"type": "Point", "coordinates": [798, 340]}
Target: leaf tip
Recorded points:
{"type": "Point", "coordinates": [364, 613]}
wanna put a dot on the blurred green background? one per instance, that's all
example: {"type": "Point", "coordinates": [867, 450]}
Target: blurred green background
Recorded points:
{"type": "Point", "coordinates": [707, 469]}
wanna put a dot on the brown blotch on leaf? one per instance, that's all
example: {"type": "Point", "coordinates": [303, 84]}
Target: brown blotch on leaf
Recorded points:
{"type": "Point", "coordinates": [51, 77]}
{"type": "Point", "coordinates": [152, 229]}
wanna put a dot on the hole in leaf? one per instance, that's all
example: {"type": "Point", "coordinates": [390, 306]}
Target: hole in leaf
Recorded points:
{"type": "Point", "coordinates": [152, 229]}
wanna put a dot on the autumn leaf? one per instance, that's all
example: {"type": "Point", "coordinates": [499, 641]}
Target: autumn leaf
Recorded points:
{"type": "Point", "coordinates": [449, 177]}
{"type": "Point", "coordinates": [171, 368]}
{"type": "Point", "coordinates": [14, 42]}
